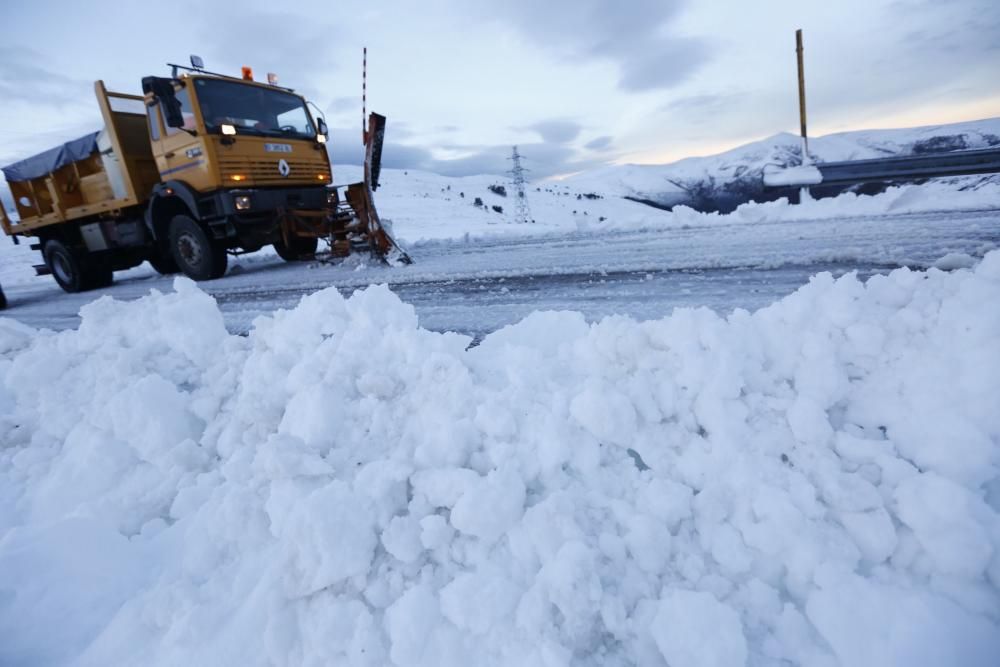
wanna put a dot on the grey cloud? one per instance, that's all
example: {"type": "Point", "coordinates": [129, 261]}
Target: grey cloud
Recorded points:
{"type": "Point", "coordinates": [21, 146]}
{"type": "Point", "coordinates": [399, 129]}
{"type": "Point", "coordinates": [695, 103]}
{"type": "Point", "coordinates": [664, 65]}
{"type": "Point", "coordinates": [557, 131]}
{"type": "Point", "coordinates": [344, 104]}
{"type": "Point", "coordinates": [703, 108]}
{"type": "Point", "coordinates": [345, 148]}
{"type": "Point", "coordinates": [300, 57]}
{"type": "Point", "coordinates": [25, 78]}
{"type": "Point", "coordinates": [932, 53]}
{"type": "Point", "coordinates": [634, 35]}
{"type": "Point", "coordinates": [541, 159]}
{"type": "Point", "coordinates": [599, 143]}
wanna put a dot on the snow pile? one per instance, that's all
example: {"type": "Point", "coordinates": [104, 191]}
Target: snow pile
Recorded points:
{"type": "Point", "coordinates": [926, 198]}
{"type": "Point", "coordinates": [815, 483]}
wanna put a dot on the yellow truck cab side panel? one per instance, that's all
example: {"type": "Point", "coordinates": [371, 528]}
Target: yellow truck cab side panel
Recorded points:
{"type": "Point", "coordinates": [181, 152]}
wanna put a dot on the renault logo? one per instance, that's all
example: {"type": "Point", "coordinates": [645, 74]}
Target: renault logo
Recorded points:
{"type": "Point", "coordinates": [283, 168]}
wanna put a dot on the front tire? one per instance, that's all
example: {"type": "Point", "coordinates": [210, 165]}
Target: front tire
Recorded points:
{"type": "Point", "coordinates": [196, 255]}
{"type": "Point", "coordinates": [299, 248]}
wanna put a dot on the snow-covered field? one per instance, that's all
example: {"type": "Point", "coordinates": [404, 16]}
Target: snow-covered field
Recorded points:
{"type": "Point", "coordinates": [814, 483]}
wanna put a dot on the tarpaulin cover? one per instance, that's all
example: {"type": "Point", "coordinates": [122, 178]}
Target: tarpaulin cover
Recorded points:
{"type": "Point", "coordinates": [52, 159]}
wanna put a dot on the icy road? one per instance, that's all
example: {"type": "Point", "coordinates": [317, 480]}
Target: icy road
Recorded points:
{"type": "Point", "coordinates": [478, 286]}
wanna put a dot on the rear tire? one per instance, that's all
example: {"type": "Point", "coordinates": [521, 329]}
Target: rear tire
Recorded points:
{"type": "Point", "coordinates": [196, 255]}
{"type": "Point", "coordinates": [163, 262]}
{"type": "Point", "coordinates": [75, 273]}
{"type": "Point", "coordinates": [300, 248]}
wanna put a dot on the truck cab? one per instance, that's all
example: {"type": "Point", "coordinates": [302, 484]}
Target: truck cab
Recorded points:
{"type": "Point", "coordinates": [238, 153]}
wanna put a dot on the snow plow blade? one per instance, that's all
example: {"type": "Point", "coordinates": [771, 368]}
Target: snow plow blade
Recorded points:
{"type": "Point", "coordinates": [351, 224]}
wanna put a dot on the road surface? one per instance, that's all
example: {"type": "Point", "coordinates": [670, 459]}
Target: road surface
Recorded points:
{"type": "Point", "coordinates": [475, 287]}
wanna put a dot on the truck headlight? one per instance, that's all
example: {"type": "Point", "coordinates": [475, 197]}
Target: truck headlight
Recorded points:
{"type": "Point", "coordinates": [242, 202]}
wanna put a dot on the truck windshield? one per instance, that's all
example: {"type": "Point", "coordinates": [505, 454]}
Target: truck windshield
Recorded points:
{"type": "Point", "coordinates": [252, 109]}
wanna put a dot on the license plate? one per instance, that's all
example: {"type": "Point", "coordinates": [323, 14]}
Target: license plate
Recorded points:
{"type": "Point", "coordinates": [278, 148]}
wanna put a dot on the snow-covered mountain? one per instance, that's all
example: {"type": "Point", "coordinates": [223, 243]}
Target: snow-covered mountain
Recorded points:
{"type": "Point", "coordinates": [724, 181]}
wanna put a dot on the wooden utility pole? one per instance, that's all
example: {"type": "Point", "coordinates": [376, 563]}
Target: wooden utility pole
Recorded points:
{"type": "Point", "coordinates": [802, 98]}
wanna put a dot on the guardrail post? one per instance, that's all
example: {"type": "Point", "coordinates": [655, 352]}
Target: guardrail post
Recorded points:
{"type": "Point", "coordinates": [802, 98]}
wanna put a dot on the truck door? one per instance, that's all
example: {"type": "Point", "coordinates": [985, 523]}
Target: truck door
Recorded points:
{"type": "Point", "coordinates": [181, 155]}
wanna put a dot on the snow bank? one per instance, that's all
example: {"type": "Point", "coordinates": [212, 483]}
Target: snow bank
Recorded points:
{"type": "Point", "coordinates": [427, 207]}
{"type": "Point", "coordinates": [815, 483]}
{"type": "Point", "coordinates": [925, 198]}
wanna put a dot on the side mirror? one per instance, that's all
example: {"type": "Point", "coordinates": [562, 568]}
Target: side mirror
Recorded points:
{"type": "Point", "coordinates": [163, 89]}
{"type": "Point", "coordinates": [321, 127]}
{"type": "Point", "coordinates": [172, 112]}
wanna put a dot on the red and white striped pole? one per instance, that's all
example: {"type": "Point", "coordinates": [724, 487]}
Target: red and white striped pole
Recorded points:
{"type": "Point", "coordinates": [364, 95]}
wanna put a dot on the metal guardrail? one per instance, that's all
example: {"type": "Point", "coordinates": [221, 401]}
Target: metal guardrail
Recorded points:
{"type": "Point", "coordinates": [931, 165]}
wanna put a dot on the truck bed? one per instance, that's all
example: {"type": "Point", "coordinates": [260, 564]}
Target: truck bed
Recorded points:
{"type": "Point", "coordinates": [100, 172]}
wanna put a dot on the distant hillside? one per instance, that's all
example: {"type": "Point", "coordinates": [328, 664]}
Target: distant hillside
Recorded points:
{"type": "Point", "coordinates": [724, 181]}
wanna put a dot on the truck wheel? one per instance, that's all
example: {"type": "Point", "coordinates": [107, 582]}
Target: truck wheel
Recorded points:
{"type": "Point", "coordinates": [66, 267]}
{"type": "Point", "coordinates": [75, 273]}
{"type": "Point", "coordinates": [198, 256]}
{"type": "Point", "coordinates": [298, 249]}
{"type": "Point", "coordinates": [163, 262]}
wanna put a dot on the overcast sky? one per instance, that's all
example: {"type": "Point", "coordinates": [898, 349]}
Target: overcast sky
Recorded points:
{"type": "Point", "coordinates": [576, 83]}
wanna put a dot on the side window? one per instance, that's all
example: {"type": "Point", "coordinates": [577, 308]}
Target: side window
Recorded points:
{"type": "Point", "coordinates": [153, 112]}
{"type": "Point", "coordinates": [186, 111]}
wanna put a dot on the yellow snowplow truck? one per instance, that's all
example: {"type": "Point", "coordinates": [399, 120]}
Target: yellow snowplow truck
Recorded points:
{"type": "Point", "coordinates": [200, 166]}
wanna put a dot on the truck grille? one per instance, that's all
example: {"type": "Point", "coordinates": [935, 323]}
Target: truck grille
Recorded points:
{"type": "Point", "coordinates": [239, 171]}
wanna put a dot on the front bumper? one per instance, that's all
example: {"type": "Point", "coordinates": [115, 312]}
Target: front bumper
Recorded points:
{"type": "Point", "coordinates": [265, 203]}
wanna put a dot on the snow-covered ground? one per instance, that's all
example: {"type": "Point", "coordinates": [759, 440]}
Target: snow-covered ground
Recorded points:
{"type": "Point", "coordinates": [815, 483]}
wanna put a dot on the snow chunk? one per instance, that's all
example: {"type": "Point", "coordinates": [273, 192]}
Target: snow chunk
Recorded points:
{"type": "Point", "coordinates": [943, 516]}
{"type": "Point", "coordinates": [329, 537]}
{"type": "Point", "coordinates": [606, 413]}
{"type": "Point", "coordinates": [955, 260]}
{"type": "Point", "coordinates": [491, 505]}
{"type": "Point", "coordinates": [693, 628]}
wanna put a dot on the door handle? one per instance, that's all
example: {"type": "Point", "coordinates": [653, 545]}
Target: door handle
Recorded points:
{"type": "Point", "coordinates": [169, 155]}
